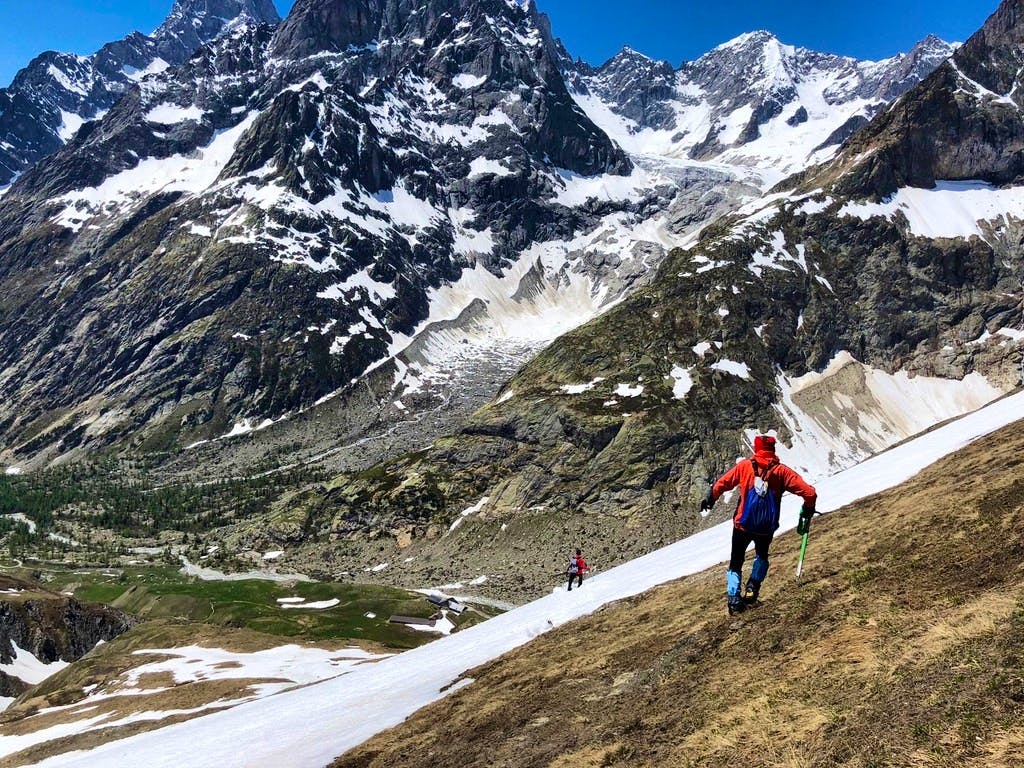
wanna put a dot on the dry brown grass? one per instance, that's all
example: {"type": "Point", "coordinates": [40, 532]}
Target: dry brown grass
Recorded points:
{"type": "Point", "coordinates": [903, 646]}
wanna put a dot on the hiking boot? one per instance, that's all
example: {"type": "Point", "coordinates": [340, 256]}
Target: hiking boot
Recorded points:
{"type": "Point", "coordinates": [736, 604]}
{"type": "Point", "coordinates": [751, 592]}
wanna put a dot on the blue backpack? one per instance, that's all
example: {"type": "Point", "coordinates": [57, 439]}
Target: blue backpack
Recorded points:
{"type": "Point", "coordinates": [760, 507]}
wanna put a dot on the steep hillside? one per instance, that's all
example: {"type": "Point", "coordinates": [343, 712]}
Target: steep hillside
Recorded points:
{"type": "Point", "coordinates": [370, 698]}
{"type": "Point", "coordinates": [900, 647]}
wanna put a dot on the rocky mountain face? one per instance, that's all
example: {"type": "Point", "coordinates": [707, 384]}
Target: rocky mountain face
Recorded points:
{"type": "Point", "coordinates": [751, 101]}
{"type": "Point", "coordinates": [248, 233]}
{"type": "Point", "coordinates": [397, 203]}
{"type": "Point", "coordinates": [49, 626]}
{"type": "Point", "coordinates": [49, 100]}
{"type": "Point", "coordinates": [819, 313]}
{"type": "Point", "coordinates": [326, 226]}
{"type": "Point", "coordinates": [964, 123]}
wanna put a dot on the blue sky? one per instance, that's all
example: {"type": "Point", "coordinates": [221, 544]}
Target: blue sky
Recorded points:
{"type": "Point", "coordinates": [676, 30]}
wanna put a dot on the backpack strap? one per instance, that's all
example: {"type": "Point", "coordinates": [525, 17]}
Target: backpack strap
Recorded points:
{"type": "Point", "coordinates": [767, 470]}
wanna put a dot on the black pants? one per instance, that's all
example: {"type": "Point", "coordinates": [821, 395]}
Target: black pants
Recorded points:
{"type": "Point", "coordinates": [578, 577]}
{"type": "Point", "coordinates": [741, 540]}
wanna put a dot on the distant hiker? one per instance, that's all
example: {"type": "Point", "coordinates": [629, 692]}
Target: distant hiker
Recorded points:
{"type": "Point", "coordinates": [576, 569]}
{"type": "Point", "coordinates": [761, 480]}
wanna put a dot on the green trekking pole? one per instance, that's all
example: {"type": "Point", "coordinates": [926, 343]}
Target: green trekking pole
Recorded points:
{"type": "Point", "coordinates": [803, 551]}
{"type": "Point", "coordinates": [804, 528]}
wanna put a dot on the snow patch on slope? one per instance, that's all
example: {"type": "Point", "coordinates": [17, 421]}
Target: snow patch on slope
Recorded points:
{"type": "Point", "coordinates": [177, 173]}
{"type": "Point", "coordinates": [951, 209]}
{"type": "Point", "coordinates": [273, 670]}
{"type": "Point", "coordinates": [851, 411]}
{"type": "Point", "coordinates": [69, 125]}
{"type": "Point", "coordinates": [170, 114]}
{"type": "Point", "coordinates": [27, 668]}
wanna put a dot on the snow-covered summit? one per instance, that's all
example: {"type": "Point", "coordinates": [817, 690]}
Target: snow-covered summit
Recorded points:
{"type": "Point", "coordinates": [193, 23]}
{"type": "Point", "coordinates": [758, 39]}
{"type": "Point", "coordinates": [50, 99]}
{"type": "Point", "coordinates": [751, 101]}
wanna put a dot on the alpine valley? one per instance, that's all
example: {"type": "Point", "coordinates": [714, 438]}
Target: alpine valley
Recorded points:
{"type": "Point", "coordinates": [400, 294]}
{"type": "Point", "coordinates": [327, 242]}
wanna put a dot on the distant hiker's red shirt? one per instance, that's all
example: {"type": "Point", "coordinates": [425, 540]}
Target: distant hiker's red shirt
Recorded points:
{"type": "Point", "coordinates": [577, 565]}
{"type": "Point", "coordinates": [780, 478]}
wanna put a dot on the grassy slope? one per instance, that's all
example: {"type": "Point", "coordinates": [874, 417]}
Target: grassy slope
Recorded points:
{"type": "Point", "coordinates": [164, 593]}
{"type": "Point", "coordinates": [150, 593]}
{"type": "Point", "coordinates": [904, 645]}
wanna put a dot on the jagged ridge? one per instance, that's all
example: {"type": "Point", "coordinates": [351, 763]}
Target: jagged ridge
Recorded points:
{"type": "Point", "coordinates": [56, 93]}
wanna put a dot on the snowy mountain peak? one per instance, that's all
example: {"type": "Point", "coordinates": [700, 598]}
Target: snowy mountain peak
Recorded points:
{"type": "Point", "coordinates": [629, 59]}
{"type": "Point", "coordinates": [193, 23]}
{"type": "Point", "coordinates": [206, 18]}
{"type": "Point", "coordinates": [759, 38]}
{"type": "Point", "coordinates": [931, 48]}
{"type": "Point", "coordinates": [51, 98]}
{"type": "Point", "coordinates": [933, 42]}
{"type": "Point", "coordinates": [753, 101]}
{"type": "Point", "coordinates": [631, 53]}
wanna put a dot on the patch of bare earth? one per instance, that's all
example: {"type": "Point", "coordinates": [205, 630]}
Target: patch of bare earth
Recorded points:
{"type": "Point", "coordinates": [902, 646]}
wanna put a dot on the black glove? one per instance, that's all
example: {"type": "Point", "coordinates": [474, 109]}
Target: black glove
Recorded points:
{"type": "Point", "coordinates": [804, 525]}
{"type": "Point", "coordinates": [707, 502]}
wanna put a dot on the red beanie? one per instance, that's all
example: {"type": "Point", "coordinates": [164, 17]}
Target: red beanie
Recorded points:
{"type": "Point", "coordinates": [764, 443]}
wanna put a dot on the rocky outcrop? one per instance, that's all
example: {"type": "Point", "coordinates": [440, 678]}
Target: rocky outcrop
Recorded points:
{"type": "Point", "coordinates": [50, 626]}
{"type": "Point", "coordinates": [963, 123]}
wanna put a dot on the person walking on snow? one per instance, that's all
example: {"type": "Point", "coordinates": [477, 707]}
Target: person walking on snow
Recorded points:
{"type": "Point", "coordinates": [577, 565]}
{"type": "Point", "coordinates": [762, 480]}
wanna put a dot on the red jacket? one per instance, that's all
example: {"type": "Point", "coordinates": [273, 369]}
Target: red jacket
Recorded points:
{"type": "Point", "coordinates": [780, 478]}
{"type": "Point", "coordinates": [579, 563]}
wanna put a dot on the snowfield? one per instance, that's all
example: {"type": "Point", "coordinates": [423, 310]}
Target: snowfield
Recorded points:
{"type": "Point", "coordinates": [952, 209]}
{"type": "Point", "coordinates": [28, 668]}
{"type": "Point", "coordinates": [309, 726]}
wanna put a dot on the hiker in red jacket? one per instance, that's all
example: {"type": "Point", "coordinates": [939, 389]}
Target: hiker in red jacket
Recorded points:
{"type": "Point", "coordinates": [761, 479]}
{"type": "Point", "coordinates": [577, 565]}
